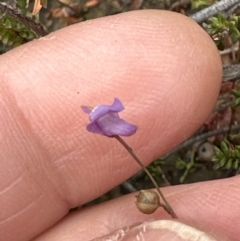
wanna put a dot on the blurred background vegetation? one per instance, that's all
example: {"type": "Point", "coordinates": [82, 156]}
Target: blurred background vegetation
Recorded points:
{"type": "Point", "coordinates": [213, 152]}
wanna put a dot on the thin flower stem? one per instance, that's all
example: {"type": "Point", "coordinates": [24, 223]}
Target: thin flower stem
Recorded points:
{"type": "Point", "coordinates": [166, 205]}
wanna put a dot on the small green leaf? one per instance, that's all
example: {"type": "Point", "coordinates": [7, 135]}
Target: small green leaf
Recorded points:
{"type": "Point", "coordinates": [218, 151]}
{"type": "Point", "coordinates": [236, 164]}
{"type": "Point", "coordinates": [31, 35]}
{"type": "Point", "coordinates": [23, 33]}
{"type": "Point", "coordinates": [237, 147]}
{"type": "Point", "coordinates": [8, 37]}
{"type": "Point", "coordinates": [236, 103]}
{"type": "Point", "coordinates": [5, 37]}
{"type": "Point", "coordinates": [22, 4]}
{"type": "Point", "coordinates": [236, 93]}
{"type": "Point", "coordinates": [229, 164]}
{"type": "Point", "coordinates": [2, 31]}
{"type": "Point", "coordinates": [233, 153]}
{"type": "Point", "coordinates": [18, 42]}
{"type": "Point", "coordinates": [215, 159]}
{"type": "Point", "coordinates": [222, 162]}
{"type": "Point", "coordinates": [219, 155]}
{"type": "Point", "coordinates": [225, 148]}
{"type": "Point", "coordinates": [7, 23]}
{"type": "Point", "coordinates": [237, 153]}
{"type": "Point", "coordinates": [200, 3]}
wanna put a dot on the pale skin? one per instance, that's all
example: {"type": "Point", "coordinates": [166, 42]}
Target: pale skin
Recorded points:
{"type": "Point", "coordinates": [166, 71]}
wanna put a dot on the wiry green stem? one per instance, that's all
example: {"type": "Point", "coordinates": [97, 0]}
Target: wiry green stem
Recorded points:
{"type": "Point", "coordinates": [165, 205]}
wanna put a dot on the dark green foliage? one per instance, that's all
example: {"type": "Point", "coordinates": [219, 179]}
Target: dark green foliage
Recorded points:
{"type": "Point", "coordinates": [154, 168]}
{"type": "Point", "coordinates": [223, 30]}
{"type": "Point", "coordinates": [237, 100]}
{"type": "Point", "coordinates": [201, 3]}
{"type": "Point", "coordinates": [22, 5]}
{"type": "Point", "coordinates": [227, 156]}
{"type": "Point", "coordinates": [18, 25]}
{"type": "Point", "coordinates": [13, 33]}
{"type": "Point", "coordinates": [186, 167]}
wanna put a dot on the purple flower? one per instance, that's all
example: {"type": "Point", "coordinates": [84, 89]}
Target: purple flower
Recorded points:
{"type": "Point", "coordinates": [106, 121]}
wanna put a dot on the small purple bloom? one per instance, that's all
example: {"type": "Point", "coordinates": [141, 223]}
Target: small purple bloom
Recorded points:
{"type": "Point", "coordinates": [106, 121]}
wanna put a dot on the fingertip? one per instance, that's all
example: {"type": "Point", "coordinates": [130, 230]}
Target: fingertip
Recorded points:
{"type": "Point", "coordinates": [162, 65]}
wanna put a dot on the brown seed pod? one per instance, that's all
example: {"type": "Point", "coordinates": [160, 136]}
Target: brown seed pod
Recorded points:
{"type": "Point", "coordinates": [147, 201]}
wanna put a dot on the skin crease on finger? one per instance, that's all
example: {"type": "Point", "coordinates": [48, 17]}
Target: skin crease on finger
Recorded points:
{"type": "Point", "coordinates": [162, 65]}
{"type": "Point", "coordinates": [212, 207]}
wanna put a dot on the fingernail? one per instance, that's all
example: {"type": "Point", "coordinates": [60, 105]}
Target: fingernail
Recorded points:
{"type": "Point", "coordinates": [158, 230]}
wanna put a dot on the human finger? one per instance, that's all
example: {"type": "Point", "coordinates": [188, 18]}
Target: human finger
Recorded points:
{"type": "Point", "coordinates": [210, 207]}
{"type": "Point", "coordinates": [168, 83]}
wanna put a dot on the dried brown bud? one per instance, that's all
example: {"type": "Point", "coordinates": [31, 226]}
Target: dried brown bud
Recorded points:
{"type": "Point", "coordinates": [147, 201]}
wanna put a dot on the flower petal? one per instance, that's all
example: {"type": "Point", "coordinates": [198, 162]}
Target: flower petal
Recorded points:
{"type": "Point", "coordinates": [112, 125]}
{"type": "Point", "coordinates": [102, 110]}
{"type": "Point", "coordinates": [105, 120]}
{"type": "Point", "coordinates": [93, 127]}
{"type": "Point", "coordinates": [117, 105]}
{"type": "Point", "coordinates": [86, 109]}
